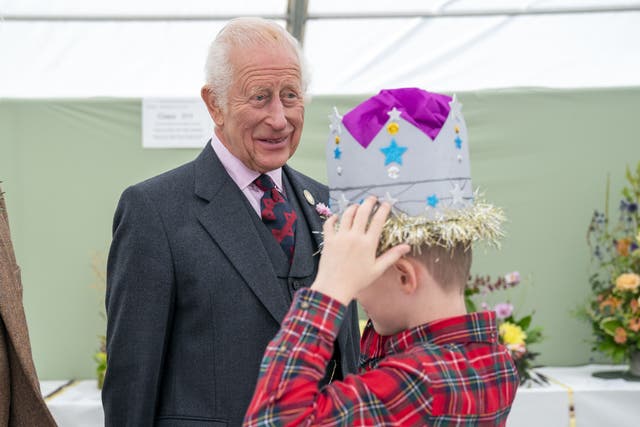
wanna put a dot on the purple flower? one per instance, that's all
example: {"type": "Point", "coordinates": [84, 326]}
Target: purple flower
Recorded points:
{"type": "Point", "coordinates": [503, 310]}
{"type": "Point", "coordinates": [323, 210]}
{"type": "Point", "coordinates": [512, 278]}
{"type": "Point", "coordinates": [623, 205]}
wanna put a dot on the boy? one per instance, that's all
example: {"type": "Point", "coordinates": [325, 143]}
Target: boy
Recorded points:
{"type": "Point", "coordinates": [425, 360]}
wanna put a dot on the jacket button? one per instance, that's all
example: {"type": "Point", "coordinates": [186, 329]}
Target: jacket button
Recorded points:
{"type": "Point", "coordinates": [296, 284]}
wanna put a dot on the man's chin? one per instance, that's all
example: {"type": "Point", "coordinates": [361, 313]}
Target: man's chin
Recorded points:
{"type": "Point", "coordinates": [273, 159]}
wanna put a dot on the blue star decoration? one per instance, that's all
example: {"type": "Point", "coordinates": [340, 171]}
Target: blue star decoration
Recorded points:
{"type": "Point", "coordinates": [433, 200]}
{"type": "Point", "coordinates": [393, 153]}
{"type": "Point", "coordinates": [458, 142]}
{"type": "Point", "coordinates": [337, 153]}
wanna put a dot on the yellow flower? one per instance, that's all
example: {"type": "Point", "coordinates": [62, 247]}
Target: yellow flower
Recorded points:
{"type": "Point", "coordinates": [512, 334]}
{"type": "Point", "coordinates": [628, 282]}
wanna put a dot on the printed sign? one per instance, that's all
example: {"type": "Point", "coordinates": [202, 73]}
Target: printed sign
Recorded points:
{"type": "Point", "coordinates": [175, 123]}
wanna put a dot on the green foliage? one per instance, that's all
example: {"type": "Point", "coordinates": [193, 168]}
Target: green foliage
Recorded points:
{"type": "Point", "coordinates": [100, 357]}
{"type": "Point", "coordinates": [614, 306]}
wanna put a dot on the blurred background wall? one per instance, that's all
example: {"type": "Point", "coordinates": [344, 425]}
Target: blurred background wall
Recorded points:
{"type": "Point", "coordinates": [542, 154]}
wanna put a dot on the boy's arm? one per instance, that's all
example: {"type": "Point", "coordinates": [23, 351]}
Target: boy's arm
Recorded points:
{"type": "Point", "coordinates": [295, 361]}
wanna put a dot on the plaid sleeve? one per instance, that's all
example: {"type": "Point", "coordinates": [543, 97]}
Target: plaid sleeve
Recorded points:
{"type": "Point", "coordinates": [295, 361]}
{"type": "Point", "coordinates": [287, 393]}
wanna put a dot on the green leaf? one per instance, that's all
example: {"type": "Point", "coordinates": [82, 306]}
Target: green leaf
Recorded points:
{"type": "Point", "coordinates": [471, 306]}
{"type": "Point", "coordinates": [525, 322]}
{"type": "Point", "coordinates": [619, 354]}
{"type": "Point", "coordinates": [609, 325]}
{"type": "Point", "coordinates": [534, 335]}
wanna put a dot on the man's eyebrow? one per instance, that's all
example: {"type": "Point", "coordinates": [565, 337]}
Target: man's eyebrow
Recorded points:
{"type": "Point", "coordinates": [257, 89]}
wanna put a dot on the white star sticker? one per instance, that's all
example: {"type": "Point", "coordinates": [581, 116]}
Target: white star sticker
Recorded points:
{"type": "Point", "coordinates": [389, 199]}
{"type": "Point", "coordinates": [456, 107]}
{"type": "Point", "coordinates": [456, 194]}
{"type": "Point", "coordinates": [343, 202]}
{"type": "Point", "coordinates": [336, 121]}
{"type": "Point", "coordinates": [394, 114]}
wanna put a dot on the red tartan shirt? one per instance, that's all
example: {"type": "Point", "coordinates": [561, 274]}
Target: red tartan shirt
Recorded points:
{"type": "Point", "coordinates": [450, 372]}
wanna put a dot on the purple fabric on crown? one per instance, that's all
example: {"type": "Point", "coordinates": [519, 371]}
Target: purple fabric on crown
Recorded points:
{"type": "Point", "coordinates": [425, 110]}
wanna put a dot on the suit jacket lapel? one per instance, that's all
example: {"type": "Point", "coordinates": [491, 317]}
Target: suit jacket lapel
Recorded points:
{"type": "Point", "coordinates": [227, 219]}
{"type": "Point", "coordinates": [308, 210]}
{"type": "Point", "coordinates": [348, 335]}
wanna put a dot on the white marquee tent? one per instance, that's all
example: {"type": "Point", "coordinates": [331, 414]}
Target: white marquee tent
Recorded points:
{"type": "Point", "coordinates": [138, 48]}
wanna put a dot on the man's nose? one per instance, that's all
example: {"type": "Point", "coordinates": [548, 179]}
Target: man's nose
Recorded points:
{"type": "Point", "coordinates": [277, 118]}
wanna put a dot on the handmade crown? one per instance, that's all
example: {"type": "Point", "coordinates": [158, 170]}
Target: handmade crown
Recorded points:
{"type": "Point", "coordinates": [409, 147]}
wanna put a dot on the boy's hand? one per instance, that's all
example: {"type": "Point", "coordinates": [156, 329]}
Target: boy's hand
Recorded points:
{"type": "Point", "coordinates": [348, 263]}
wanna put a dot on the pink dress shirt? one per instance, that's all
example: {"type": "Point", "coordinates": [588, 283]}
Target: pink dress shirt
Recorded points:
{"type": "Point", "coordinates": [243, 176]}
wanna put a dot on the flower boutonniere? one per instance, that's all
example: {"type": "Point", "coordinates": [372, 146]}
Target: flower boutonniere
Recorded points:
{"type": "Point", "coordinates": [323, 210]}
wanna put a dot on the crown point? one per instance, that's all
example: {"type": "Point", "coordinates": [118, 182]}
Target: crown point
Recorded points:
{"type": "Point", "coordinates": [394, 114]}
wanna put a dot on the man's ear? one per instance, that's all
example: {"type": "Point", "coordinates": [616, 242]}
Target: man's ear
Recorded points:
{"type": "Point", "coordinates": [210, 101]}
{"type": "Point", "coordinates": [407, 274]}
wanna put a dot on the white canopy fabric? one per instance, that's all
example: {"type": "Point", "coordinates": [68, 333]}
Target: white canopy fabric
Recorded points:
{"type": "Point", "coordinates": [125, 48]}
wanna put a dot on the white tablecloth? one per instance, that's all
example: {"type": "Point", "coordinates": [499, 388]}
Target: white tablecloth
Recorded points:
{"type": "Point", "coordinates": [76, 404]}
{"type": "Point", "coordinates": [597, 402]}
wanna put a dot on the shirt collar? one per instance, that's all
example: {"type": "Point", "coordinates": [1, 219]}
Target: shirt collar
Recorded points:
{"type": "Point", "coordinates": [238, 171]}
{"type": "Point", "coordinates": [473, 327]}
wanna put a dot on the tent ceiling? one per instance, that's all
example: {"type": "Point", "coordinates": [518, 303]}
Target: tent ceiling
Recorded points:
{"type": "Point", "coordinates": [75, 48]}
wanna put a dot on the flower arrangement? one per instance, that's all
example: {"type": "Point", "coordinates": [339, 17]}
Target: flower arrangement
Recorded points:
{"type": "Point", "coordinates": [516, 334]}
{"type": "Point", "coordinates": [614, 306]}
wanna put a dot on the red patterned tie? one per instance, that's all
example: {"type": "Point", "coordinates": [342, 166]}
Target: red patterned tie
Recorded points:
{"type": "Point", "coordinates": [277, 214]}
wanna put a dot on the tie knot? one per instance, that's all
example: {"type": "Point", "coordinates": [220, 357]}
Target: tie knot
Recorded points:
{"type": "Point", "coordinates": [264, 182]}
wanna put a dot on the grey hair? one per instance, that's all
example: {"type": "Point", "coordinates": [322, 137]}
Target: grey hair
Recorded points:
{"type": "Point", "coordinates": [245, 32]}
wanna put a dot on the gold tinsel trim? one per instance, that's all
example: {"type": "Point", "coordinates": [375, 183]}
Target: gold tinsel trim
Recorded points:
{"type": "Point", "coordinates": [480, 221]}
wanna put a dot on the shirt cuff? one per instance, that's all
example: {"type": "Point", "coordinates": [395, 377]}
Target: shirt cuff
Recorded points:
{"type": "Point", "coordinates": [319, 311]}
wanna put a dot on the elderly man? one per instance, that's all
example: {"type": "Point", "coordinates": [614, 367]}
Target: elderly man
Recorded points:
{"type": "Point", "coordinates": [205, 258]}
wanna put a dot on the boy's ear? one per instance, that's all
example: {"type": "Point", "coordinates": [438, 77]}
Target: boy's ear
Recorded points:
{"type": "Point", "coordinates": [210, 101]}
{"type": "Point", "coordinates": [407, 274]}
